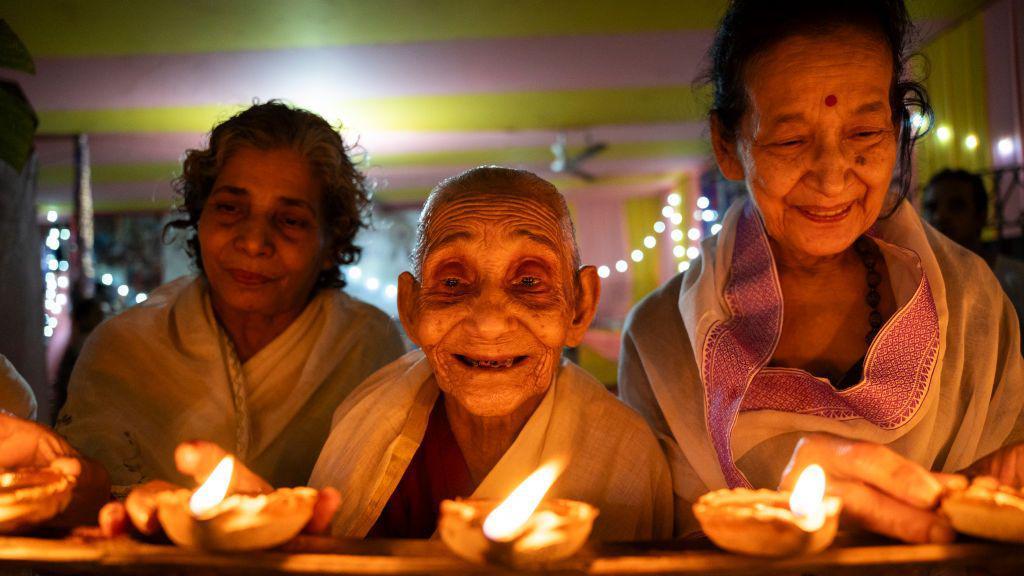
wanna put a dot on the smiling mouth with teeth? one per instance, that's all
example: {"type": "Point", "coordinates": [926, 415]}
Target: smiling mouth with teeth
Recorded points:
{"type": "Point", "coordinates": [490, 364]}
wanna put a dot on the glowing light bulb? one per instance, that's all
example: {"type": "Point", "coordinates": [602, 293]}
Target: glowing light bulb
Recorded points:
{"type": "Point", "coordinates": [51, 216]}
{"type": "Point", "coordinates": [107, 279]}
{"type": "Point", "coordinates": [122, 290]}
{"type": "Point", "coordinates": [621, 266]}
{"type": "Point", "coordinates": [678, 251]}
{"type": "Point", "coordinates": [677, 219]}
{"type": "Point", "coordinates": [715, 229]}
{"type": "Point", "coordinates": [659, 226]}
{"type": "Point", "coordinates": [636, 255]}
{"type": "Point", "coordinates": [943, 133]}
{"type": "Point", "coordinates": [693, 234]}
{"type": "Point", "coordinates": [141, 297]}
{"type": "Point", "coordinates": [677, 235]}
{"type": "Point", "coordinates": [692, 252]}
{"type": "Point", "coordinates": [372, 283]}
{"type": "Point", "coordinates": [971, 142]}
{"type": "Point", "coordinates": [1005, 147]}
{"type": "Point", "coordinates": [603, 271]}
{"type": "Point", "coordinates": [667, 211]}
{"type": "Point", "coordinates": [703, 202]}
{"type": "Point", "coordinates": [650, 241]}
{"type": "Point", "coordinates": [674, 199]}
{"type": "Point", "coordinates": [390, 291]}
{"type": "Point", "coordinates": [355, 273]}
{"type": "Point", "coordinates": [684, 265]}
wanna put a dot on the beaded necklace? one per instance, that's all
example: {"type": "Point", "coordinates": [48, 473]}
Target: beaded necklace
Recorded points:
{"type": "Point", "coordinates": [869, 255]}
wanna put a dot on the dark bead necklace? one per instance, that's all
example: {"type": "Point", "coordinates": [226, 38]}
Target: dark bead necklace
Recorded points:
{"type": "Point", "coordinates": [869, 255]}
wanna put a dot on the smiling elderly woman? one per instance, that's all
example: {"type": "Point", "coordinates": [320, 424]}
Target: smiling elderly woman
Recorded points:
{"type": "Point", "coordinates": [257, 351]}
{"type": "Point", "coordinates": [497, 291]}
{"type": "Point", "coordinates": [825, 322]}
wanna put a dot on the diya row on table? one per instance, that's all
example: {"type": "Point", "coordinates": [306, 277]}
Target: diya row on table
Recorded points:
{"type": "Point", "coordinates": [523, 529]}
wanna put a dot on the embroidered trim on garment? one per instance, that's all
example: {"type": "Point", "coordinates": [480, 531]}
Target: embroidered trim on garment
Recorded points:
{"type": "Point", "coordinates": [737, 350]}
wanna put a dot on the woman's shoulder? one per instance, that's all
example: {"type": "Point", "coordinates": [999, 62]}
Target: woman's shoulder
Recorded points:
{"type": "Point", "coordinates": [134, 321]}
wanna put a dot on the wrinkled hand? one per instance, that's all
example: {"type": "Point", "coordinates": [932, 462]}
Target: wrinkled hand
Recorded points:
{"type": "Point", "coordinates": [198, 459]}
{"type": "Point", "coordinates": [881, 490]}
{"type": "Point", "coordinates": [27, 444]}
{"type": "Point", "coordinates": [1005, 465]}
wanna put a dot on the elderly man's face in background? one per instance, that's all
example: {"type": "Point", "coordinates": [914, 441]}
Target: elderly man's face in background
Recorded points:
{"type": "Point", "coordinates": [495, 301]}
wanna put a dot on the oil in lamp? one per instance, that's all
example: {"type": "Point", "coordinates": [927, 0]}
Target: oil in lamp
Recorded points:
{"type": "Point", "coordinates": [769, 522]}
{"type": "Point", "coordinates": [30, 496]}
{"type": "Point", "coordinates": [210, 518]}
{"type": "Point", "coordinates": [520, 531]}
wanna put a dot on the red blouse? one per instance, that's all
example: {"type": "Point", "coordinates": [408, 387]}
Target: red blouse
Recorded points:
{"type": "Point", "coordinates": [438, 471]}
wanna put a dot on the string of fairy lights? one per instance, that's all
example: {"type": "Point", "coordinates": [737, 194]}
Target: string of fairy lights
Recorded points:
{"type": "Point", "coordinates": [57, 276]}
{"type": "Point", "coordinates": [685, 245]}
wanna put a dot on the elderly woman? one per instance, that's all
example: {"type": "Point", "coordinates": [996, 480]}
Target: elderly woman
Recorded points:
{"type": "Point", "coordinates": [257, 351]}
{"type": "Point", "coordinates": [825, 322]}
{"type": "Point", "coordinates": [496, 291]}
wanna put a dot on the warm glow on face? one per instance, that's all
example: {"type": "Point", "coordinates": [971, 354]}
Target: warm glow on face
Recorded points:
{"type": "Point", "coordinates": [807, 501]}
{"type": "Point", "coordinates": [213, 491]}
{"type": "Point", "coordinates": [506, 522]}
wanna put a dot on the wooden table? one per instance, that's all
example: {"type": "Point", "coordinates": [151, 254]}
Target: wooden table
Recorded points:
{"type": "Point", "coordinates": [318, 555]}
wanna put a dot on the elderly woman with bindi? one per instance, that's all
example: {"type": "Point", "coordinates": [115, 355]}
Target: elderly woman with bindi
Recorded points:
{"type": "Point", "coordinates": [257, 350]}
{"type": "Point", "coordinates": [826, 323]}
{"type": "Point", "coordinates": [496, 292]}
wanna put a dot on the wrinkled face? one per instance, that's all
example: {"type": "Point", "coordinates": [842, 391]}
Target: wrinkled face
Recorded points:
{"type": "Point", "coordinates": [817, 146]}
{"type": "Point", "coordinates": [495, 301]}
{"type": "Point", "coordinates": [260, 233]}
{"type": "Point", "coordinates": [949, 206]}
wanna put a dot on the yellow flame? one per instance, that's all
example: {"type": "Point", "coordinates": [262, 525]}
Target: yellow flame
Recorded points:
{"type": "Point", "coordinates": [506, 522]}
{"type": "Point", "coordinates": [807, 500]}
{"type": "Point", "coordinates": [213, 491]}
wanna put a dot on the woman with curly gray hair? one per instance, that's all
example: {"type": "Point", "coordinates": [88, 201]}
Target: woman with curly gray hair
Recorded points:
{"type": "Point", "coordinates": [256, 350]}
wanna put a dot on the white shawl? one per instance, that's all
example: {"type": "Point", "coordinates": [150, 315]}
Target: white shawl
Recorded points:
{"type": "Point", "coordinates": [164, 372]}
{"type": "Point", "coordinates": [614, 462]}
{"type": "Point", "coordinates": [964, 400]}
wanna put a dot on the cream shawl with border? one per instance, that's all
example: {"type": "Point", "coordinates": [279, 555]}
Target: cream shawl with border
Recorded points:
{"type": "Point", "coordinates": [164, 372]}
{"type": "Point", "coordinates": [614, 461]}
{"type": "Point", "coordinates": [955, 335]}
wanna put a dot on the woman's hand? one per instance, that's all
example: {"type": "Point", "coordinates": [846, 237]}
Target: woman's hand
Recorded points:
{"type": "Point", "coordinates": [198, 459]}
{"type": "Point", "coordinates": [27, 444]}
{"type": "Point", "coordinates": [1005, 464]}
{"type": "Point", "coordinates": [881, 490]}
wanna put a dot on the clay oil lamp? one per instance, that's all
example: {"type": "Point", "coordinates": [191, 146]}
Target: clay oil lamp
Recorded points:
{"type": "Point", "coordinates": [985, 508]}
{"type": "Point", "coordinates": [769, 522]}
{"type": "Point", "coordinates": [522, 530]}
{"type": "Point", "coordinates": [30, 496]}
{"type": "Point", "coordinates": [210, 518]}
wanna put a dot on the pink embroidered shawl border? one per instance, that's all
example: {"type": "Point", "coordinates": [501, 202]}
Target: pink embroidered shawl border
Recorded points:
{"type": "Point", "coordinates": [736, 351]}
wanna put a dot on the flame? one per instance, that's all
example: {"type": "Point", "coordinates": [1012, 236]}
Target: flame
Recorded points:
{"type": "Point", "coordinates": [506, 522]}
{"type": "Point", "coordinates": [213, 491]}
{"type": "Point", "coordinates": [807, 500]}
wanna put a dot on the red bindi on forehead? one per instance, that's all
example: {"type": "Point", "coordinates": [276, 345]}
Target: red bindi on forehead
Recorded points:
{"type": "Point", "coordinates": [831, 100]}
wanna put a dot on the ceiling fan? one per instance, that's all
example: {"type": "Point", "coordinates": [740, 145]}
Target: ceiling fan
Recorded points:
{"type": "Point", "coordinates": [566, 163]}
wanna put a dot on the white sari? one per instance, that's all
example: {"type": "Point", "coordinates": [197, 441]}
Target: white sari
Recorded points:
{"type": "Point", "coordinates": [942, 380]}
{"type": "Point", "coordinates": [613, 460]}
{"type": "Point", "coordinates": [165, 372]}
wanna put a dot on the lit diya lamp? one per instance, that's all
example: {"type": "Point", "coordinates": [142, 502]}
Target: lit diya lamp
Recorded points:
{"type": "Point", "coordinates": [211, 519]}
{"type": "Point", "coordinates": [30, 496]}
{"type": "Point", "coordinates": [772, 523]}
{"type": "Point", "coordinates": [522, 530]}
